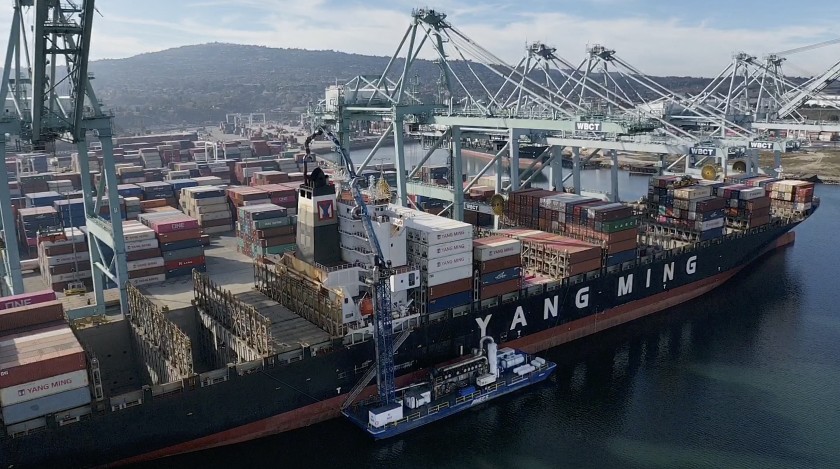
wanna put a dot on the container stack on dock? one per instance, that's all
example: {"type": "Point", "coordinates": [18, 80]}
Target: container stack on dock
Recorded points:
{"type": "Point", "coordinates": [157, 190]}
{"type": "Point", "coordinates": [284, 195]}
{"type": "Point", "coordinates": [64, 259]}
{"type": "Point", "coordinates": [144, 261]}
{"type": "Point", "coordinates": [177, 185]}
{"type": "Point", "coordinates": [61, 186]}
{"type": "Point", "coordinates": [71, 212]}
{"type": "Point", "coordinates": [44, 368]}
{"type": "Point", "coordinates": [265, 229]}
{"type": "Point", "coordinates": [35, 219]}
{"type": "Point", "coordinates": [498, 263]}
{"type": "Point", "coordinates": [443, 251]}
{"type": "Point", "coordinates": [151, 158]}
{"type": "Point", "coordinates": [788, 197]}
{"type": "Point", "coordinates": [209, 206]}
{"type": "Point", "coordinates": [181, 243]}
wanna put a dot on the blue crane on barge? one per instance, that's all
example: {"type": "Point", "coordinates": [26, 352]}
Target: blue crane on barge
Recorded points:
{"type": "Point", "coordinates": [380, 273]}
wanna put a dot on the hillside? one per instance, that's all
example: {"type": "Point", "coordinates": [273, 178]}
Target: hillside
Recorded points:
{"type": "Point", "coordinates": [201, 83]}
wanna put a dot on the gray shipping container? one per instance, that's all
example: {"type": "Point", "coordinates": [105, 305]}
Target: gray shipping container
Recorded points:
{"type": "Point", "coordinates": [46, 405]}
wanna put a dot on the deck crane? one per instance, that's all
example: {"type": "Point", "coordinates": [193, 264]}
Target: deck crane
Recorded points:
{"type": "Point", "coordinates": [380, 274]}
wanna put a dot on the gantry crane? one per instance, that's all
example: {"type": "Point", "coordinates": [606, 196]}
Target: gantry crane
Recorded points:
{"type": "Point", "coordinates": [37, 113]}
{"type": "Point", "coordinates": [380, 274]}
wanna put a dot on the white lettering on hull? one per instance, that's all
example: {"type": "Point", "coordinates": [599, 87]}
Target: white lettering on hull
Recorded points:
{"type": "Point", "coordinates": [625, 285]}
{"type": "Point", "coordinates": [518, 318]}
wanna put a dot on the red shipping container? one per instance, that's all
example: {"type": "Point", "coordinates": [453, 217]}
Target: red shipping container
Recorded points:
{"type": "Point", "coordinates": [31, 315]}
{"type": "Point", "coordinates": [189, 262]}
{"type": "Point", "coordinates": [501, 263]}
{"type": "Point", "coordinates": [182, 223]}
{"type": "Point", "coordinates": [490, 291]}
{"type": "Point", "coordinates": [450, 288]}
{"type": "Point", "coordinates": [40, 354]}
{"type": "Point", "coordinates": [26, 299]}
{"type": "Point", "coordinates": [621, 246]}
{"type": "Point", "coordinates": [278, 241]}
{"type": "Point", "coordinates": [585, 266]}
{"type": "Point", "coordinates": [147, 272]}
{"type": "Point", "coordinates": [182, 235]}
{"type": "Point", "coordinates": [65, 249]}
{"type": "Point", "coordinates": [143, 254]}
{"type": "Point", "coordinates": [279, 231]}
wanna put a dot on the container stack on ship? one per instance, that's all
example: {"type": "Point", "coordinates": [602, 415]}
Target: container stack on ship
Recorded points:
{"type": "Point", "coordinates": [289, 352]}
{"type": "Point", "coordinates": [44, 368]}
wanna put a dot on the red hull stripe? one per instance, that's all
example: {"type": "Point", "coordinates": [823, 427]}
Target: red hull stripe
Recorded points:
{"type": "Point", "coordinates": [331, 408]}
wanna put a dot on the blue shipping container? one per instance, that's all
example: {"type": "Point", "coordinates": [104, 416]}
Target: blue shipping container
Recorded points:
{"type": "Point", "coordinates": [451, 301]}
{"type": "Point", "coordinates": [500, 276]}
{"type": "Point", "coordinates": [711, 234]}
{"type": "Point", "coordinates": [621, 257]}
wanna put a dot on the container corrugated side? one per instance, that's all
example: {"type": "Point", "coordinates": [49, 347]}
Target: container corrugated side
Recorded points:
{"type": "Point", "coordinates": [25, 299]}
{"type": "Point", "coordinates": [31, 356]}
{"type": "Point", "coordinates": [440, 250]}
{"type": "Point", "coordinates": [144, 263]}
{"type": "Point", "coordinates": [446, 276]}
{"type": "Point", "coordinates": [449, 288]}
{"type": "Point", "coordinates": [31, 315]}
{"type": "Point", "coordinates": [446, 263]}
{"type": "Point", "coordinates": [497, 249]}
{"type": "Point", "coordinates": [46, 405]}
{"type": "Point", "coordinates": [499, 264]}
{"type": "Point", "coordinates": [499, 276]}
{"type": "Point", "coordinates": [43, 387]}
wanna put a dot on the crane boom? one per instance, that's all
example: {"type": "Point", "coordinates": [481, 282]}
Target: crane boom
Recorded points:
{"type": "Point", "coordinates": [814, 87]}
{"type": "Point", "coordinates": [381, 273]}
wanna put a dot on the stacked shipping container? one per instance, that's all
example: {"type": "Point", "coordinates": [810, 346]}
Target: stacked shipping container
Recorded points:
{"type": "Point", "coordinates": [265, 229]}
{"type": "Point", "coordinates": [180, 239]}
{"type": "Point", "coordinates": [442, 249]}
{"type": "Point", "coordinates": [498, 267]}
{"type": "Point", "coordinates": [687, 206]}
{"type": "Point", "coordinates": [746, 207]}
{"type": "Point", "coordinates": [43, 368]}
{"type": "Point", "coordinates": [788, 196]}
{"type": "Point", "coordinates": [209, 206]}
{"type": "Point", "coordinates": [64, 259]}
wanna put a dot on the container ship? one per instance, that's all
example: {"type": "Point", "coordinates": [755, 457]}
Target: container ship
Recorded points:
{"type": "Point", "coordinates": [297, 348]}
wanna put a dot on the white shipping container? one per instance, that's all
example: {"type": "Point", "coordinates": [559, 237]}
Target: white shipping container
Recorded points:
{"type": "Point", "coordinates": [212, 208]}
{"type": "Point", "coordinates": [43, 387]}
{"type": "Point", "coordinates": [751, 193]}
{"type": "Point", "coordinates": [144, 263]}
{"type": "Point", "coordinates": [208, 201]}
{"type": "Point", "coordinates": [132, 235]}
{"type": "Point", "coordinates": [70, 277]}
{"type": "Point", "coordinates": [693, 192]}
{"type": "Point", "coordinates": [66, 258]}
{"type": "Point", "coordinates": [141, 245]}
{"type": "Point", "coordinates": [140, 281]}
{"type": "Point", "coordinates": [248, 203]}
{"type": "Point", "coordinates": [404, 281]}
{"type": "Point", "coordinates": [221, 215]}
{"type": "Point", "coordinates": [497, 250]}
{"type": "Point", "coordinates": [484, 380]}
{"type": "Point", "coordinates": [446, 276]}
{"type": "Point", "coordinates": [802, 206]}
{"type": "Point", "coordinates": [440, 250]}
{"type": "Point", "coordinates": [446, 263]}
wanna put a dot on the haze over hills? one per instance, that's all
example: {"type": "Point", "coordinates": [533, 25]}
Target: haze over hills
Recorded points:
{"type": "Point", "coordinates": [201, 83]}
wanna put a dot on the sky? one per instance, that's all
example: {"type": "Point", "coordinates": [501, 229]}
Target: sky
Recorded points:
{"type": "Point", "coordinates": [659, 37]}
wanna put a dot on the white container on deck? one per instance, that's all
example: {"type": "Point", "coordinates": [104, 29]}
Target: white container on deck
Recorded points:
{"type": "Point", "coordinates": [43, 387]}
{"type": "Point", "coordinates": [440, 250]}
{"type": "Point", "coordinates": [497, 249]}
{"type": "Point", "coordinates": [446, 276]}
{"type": "Point", "coordinates": [446, 263]}
{"type": "Point", "coordinates": [484, 380]}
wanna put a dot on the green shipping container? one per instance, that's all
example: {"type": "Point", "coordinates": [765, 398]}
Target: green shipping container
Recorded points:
{"type": "Point", "coordinates": [272, 223]}
{"type": "Point", "coordinates": [617, 225]}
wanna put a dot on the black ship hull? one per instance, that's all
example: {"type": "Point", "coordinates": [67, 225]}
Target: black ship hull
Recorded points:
{"type": "Point", "coordinates": [273, 399]}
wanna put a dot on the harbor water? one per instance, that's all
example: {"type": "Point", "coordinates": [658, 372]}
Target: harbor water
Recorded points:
{"type": "Point", "coordinates": [743, 377]}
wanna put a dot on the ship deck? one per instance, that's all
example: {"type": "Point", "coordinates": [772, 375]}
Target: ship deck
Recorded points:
{"type": "Point", "coordinates": [288, 330]}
